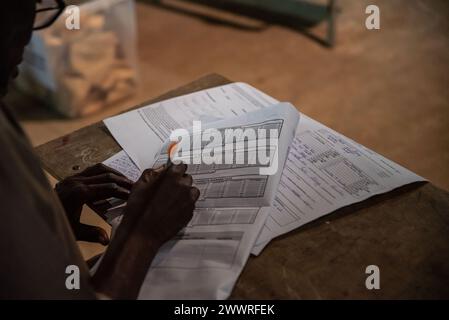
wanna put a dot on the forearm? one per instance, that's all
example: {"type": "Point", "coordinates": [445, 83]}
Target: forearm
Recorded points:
{"type": "Point", "coordinates": [124, 266]}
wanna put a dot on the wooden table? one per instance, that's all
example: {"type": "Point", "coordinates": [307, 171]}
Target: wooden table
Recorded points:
{"type": "Point", "coordinates": [404, 232]}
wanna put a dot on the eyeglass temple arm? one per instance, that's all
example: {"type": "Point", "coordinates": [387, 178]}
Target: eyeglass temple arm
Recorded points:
{"type": "Point", "coordinates": [61, 6]}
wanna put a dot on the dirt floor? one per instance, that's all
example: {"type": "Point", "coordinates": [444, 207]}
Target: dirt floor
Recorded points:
{"type": "Point", "coordinates": [387, 89]}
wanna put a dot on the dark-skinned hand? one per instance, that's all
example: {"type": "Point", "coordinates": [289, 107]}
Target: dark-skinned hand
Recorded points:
{"type": "Point", "coordinates": [95, 183]}
{"type": "Point", "coordinates": [161, 203]}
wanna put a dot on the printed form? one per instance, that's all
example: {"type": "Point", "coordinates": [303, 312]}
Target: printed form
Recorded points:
{"type": "Point", "coordinates": [206, 258]}
{"type": "Point", "coordinates": [323, 172]}
{"type": "Point", "coordinates": [142, 132]}
{"type": "Point", "coordinates": [235, 183]}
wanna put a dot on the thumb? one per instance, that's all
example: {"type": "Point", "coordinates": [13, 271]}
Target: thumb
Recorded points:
{"type": "Point", "coordinates": [85, 232]}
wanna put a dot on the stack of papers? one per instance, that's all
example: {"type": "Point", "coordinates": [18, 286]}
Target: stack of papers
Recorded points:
{"type": "Point", "coordinates": [319, 172]}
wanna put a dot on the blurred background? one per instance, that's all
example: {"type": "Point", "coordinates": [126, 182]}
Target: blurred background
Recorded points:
{"type": "Point", "coordinates": [387, 89]}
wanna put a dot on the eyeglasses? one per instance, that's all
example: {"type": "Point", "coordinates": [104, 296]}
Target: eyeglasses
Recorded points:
{"type": "Point", "coordinates": [47, 11]}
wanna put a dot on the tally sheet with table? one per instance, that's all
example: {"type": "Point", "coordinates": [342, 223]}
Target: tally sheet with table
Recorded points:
{"type": "Point", "coordinates": [320, 172]}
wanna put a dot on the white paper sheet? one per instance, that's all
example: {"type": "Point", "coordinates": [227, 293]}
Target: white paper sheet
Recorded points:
{"type": "Point", "coordinates": [325, 171]}
{"type": "Point", "coordinates": [123, 164]}
{"type": "Point", "coordinates": [229, 184]}
{"type": "Point", "coordinates": [206, 260]}
{"type": "Point", "coordinates": [142, 132]}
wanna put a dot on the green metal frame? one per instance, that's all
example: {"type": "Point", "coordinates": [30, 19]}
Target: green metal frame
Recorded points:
{"type": "Point", "coordinates": [305, 11]}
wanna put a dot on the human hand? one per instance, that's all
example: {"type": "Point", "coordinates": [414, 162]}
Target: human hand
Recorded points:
{"type": "Point", "coordinates": [161, 203]}
{"type": "Point", "coordinates": [95, 183]}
